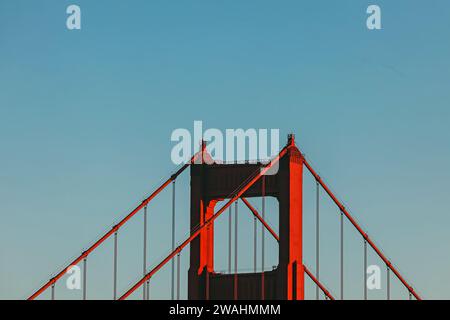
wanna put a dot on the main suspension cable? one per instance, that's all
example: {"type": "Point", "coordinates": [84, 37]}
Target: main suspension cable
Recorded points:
{"type": "Point", "coordinates": [114, 228]}
{"type": "Point", "coordinates": [359, 229]}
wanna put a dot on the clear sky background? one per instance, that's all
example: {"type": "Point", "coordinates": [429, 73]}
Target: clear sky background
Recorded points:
{"type": "Point", "coordinates": [86, 118]}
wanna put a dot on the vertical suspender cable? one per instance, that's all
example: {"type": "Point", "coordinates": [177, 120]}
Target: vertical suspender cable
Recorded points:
{"type": "Point", "coordinates": [144, 259]}
{"type": "Point", "coordinates": [148, 289]}
{"type": "Point", "coordinates": [208, 257]}
{"type": "Point", "coordinates": [208, 248]}
{"type": "Point", "coordinates": [115, 267]}
{"type": "Point", "coordinates": [53, 291]}
{"type": "Point", "coordinates": [230, 222]}
{"type": "Point", "coordinates": [365, 269]}
{"type": "Point", "coordinates": [235, 295]}
{"type": "Point", "coordinates": [388, 285]}
{"type": "Point", "coordinates": [84, 278]}
{"type": "Point", "coordinates": [178, 276]}
{"type": "Point", "coordinates": [342, 255]}
{"type": "Point", "coordinates": [317, 239]}
{"type": "Point", "coordinates": [410, 295]}
{"type": "Point", "coordinates": [147, 295]}
{"type": "Point", "coordinates": [263, 233]}
{"type": "Point", "coordinates": [173, 239]}
{"type": "Point", "coordinates": [255, 244]}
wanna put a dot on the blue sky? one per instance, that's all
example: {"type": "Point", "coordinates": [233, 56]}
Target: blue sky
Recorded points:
{"type": "Point", "coordinates": [86, 118]}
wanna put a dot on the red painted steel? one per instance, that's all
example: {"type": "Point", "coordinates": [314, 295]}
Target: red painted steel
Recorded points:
{"type": "Point", "coordinates": [360, 230]}
{"type": "Point", "coordinates": [294, 223]}
{"type": "Point", "coordinates": [235, 197]}
{"type": "Point", "coordinates": [324, 290]}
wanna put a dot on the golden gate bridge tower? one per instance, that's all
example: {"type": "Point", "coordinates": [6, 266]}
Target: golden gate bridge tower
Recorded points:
{"type": "Point", "coordinates": [211, 183]}
{"type": "Point", "coordinates": [223, 185]}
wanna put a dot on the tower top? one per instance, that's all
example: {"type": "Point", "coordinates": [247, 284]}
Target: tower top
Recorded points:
{"type": "Point", "coordinates": [291, 139]}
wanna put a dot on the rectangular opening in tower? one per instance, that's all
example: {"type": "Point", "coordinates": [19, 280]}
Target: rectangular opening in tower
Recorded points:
{"type": "Point", "coordinates": [248, 260]}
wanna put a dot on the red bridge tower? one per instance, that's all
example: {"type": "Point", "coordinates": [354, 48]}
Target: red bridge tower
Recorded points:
{"type": "Point", "coordinates": [211, 183]}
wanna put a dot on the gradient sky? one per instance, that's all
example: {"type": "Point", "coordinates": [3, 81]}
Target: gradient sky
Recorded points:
{"type": "Point", "coordinates": [86, 118]}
